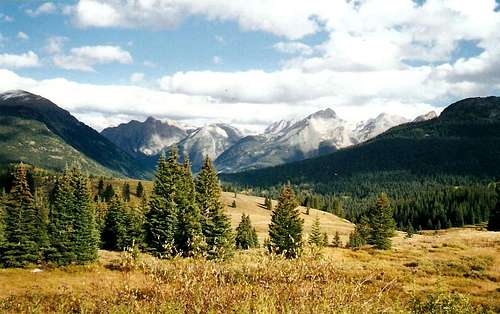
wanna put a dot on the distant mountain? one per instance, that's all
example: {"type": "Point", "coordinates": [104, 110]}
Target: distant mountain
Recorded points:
{"type": "Point", "coordinates": [369, 129]}
{"type": "Point", "coordinates": [425, 117]}
{"type": "Point", "coordinates": [210, 140]}
{"type": "Point", "coordinates": [287, 141]}
{"type": "Point", "coordinates": [37, 131]}
{"type": "Point", "coordinates": [464, 141]}
{"type": "Point", "coordinates": [146, 138]}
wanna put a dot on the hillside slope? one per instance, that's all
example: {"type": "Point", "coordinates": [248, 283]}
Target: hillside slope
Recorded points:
{"type": "Point", "coordinates": [88, 142]}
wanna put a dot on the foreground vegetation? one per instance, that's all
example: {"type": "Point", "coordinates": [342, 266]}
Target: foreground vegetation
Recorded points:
{"type": "Point", "coordinates": [454, 271]}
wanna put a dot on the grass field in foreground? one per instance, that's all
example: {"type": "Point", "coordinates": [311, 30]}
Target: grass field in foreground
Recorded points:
{"type": "Point", "coordinates": [337, 280]}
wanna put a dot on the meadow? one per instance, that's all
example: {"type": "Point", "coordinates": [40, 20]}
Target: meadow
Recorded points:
{"type": "Point", "coordinates": [449, 271]}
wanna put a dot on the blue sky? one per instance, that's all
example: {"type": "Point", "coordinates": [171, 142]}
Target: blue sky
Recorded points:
{"type": "Point", "coordinates": [249, 63]}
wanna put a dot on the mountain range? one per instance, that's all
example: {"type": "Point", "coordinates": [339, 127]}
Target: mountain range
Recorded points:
{"type": "Point", "coordinates": [37, 131]}
{"type": "Point", "coordinates": [282, 142]}
{"type": "Point", "coordinates": [463, 141]}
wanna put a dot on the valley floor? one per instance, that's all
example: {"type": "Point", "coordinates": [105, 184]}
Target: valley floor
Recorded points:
{"type": "Point", "coordinates": [336, 280]}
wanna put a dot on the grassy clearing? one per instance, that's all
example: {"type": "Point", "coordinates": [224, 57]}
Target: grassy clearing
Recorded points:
{"type": "Point", "coordinates": [418, 273]}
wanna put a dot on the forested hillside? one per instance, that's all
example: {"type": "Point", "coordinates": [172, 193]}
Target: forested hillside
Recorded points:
{"type": "Point", "coordinates": [437, 171]}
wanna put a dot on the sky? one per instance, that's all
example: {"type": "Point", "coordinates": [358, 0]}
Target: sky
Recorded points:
{"type": "Point", "coordinates": [249, 63]}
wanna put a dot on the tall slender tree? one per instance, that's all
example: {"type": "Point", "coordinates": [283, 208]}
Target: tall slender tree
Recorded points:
{"type": "Point", "coordinates": [85, 226]}
{"type": "Point", "coordinates": [161, 218]}
{"type": "Point", "coordinates": [22, 243]}
{"type": "Point", "coordinates": [114, 235]}
{"type": "Point", "coordinates": [216, 225]}
{"type": "Point", "coordinates": [139, 190]}
{"type": "Point", "coordinates": [189, 239]}
{"type": "Point", "coordinates": [381, 223]}
{"type": "Point", "coordinates": [126, 192]}
{"type": "Point", "coordinates": [62, 222]}
{"type": "Point", "coordinates": [316, 238]}
{"type": "Point", "coordinates": [285, 230]}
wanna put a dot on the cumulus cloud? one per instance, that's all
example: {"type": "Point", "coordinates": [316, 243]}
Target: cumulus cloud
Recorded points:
{"type": "Point", "coordinates": [277, 17]}
{"type": "Point", "coordinates": [22, 36]}
{"type": "Point", "coordinates": [45, 8]}
{"type": "Point", "coordinates": [293, 48]}
{"type": "Point", "coordinates": [24, 60]}
{"type": "Point", "coordinates": [85, 58]}
{"type": "Point", "coordinates": [137, 77]}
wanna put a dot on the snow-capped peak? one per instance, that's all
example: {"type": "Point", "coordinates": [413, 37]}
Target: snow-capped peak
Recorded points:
{"type": "Point", "coordinates": [15, 94]}
{"type": "Point", "coordinates": [428, 116]}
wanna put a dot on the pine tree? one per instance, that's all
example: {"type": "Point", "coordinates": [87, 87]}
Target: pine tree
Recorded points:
{"type": "Point", "coordinates": [494, 220]}
{"type": "Point", "coordinates": [315, 238]}
{"type": "Point", "coordinates": [22, 225]}
{"type": "Point", "coordinates": [62, 222]}
{"type": "Point", "coordinates": [324, 239]}
{"type": "Point", "coordinates": [108, 193]}
{"type": "Point", "coordinates": [285, 230]}
{"type": "Point", "coordinates": [139, 191]}
{"type": "Point", "coordinates": [216, 224]}
{"type": "Point", "coordinates": [115, 231]}
{"type": "Point", "coordinates": [268, 204]}
{"type": "Point", "coordinates": [86, 235]}
{"type": "Point", "coordinates": [126, 192]}
{"type": "Point", "coordinates": [100, 189]}
{"type": "Point", "coordinates": [161, 218]}
{"type": "Point", "coordinates": [336, 240]}
{"type": "Point", "coordinates": [189, 239]}
{"type": "Point", "coordinates": [246, 236]}
{"type": "Point", "coordinates": [381, 223]}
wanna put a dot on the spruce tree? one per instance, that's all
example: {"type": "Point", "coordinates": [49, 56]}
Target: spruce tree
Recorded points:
{"type": "Point", "coordinates": [139, 191]}
{"type": "Point", "coordinates": [21, 245]}
{"type": "Point", "coordinates": [381, 223]}
{"type": "Point", "coordinates": [86, 235]}
{"type": "Point", "coordinates": [285, 230]}
{"type": "Point", "coordinates": [336, 240]}
{"type": "Point", "coordinates": [315, 238]}
{"type": "Point", "coordinates": [494, 220]}
{"type": "Point", "coordinates": [108, 193]}
{"type": "Point", "coordinates": [62, 222]}
{"type": "Point", "coordinates": [246, 236]}
{"type": "Point", "coordinates": [115, 231]}
{"type": "Point", "coordinates": [189, 239]}
{"type": "Point", "coordinates": [216, 225]}
{"type": "Point", "coordinates": [126, 192]}
{"type": "Point", "coordinates": [161, 218]}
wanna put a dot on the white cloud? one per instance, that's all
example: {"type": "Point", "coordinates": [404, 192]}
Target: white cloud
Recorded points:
{"type": "Point", "coordinates": [23, 36]}
{"type": "Point", "coordinates": [24, 60]}
{"type": "Point", "coordinates": [293, 48]}
{"type": "Point", "coordinates": [45, 8]}
{"type": "Point", "coordinates": [149, 64]}
{"type": "Point", "coordinates": [85, 58]}
{"type": "Point", "coordinates": [137, 77]}
{"type": "Point", "coordinates": [6, 18]}
{"type": "Point", "coordinates": [55, 44]}
{"type": "Point", "coordinates": [216, 60]}
{"type": "Point", "coordinates": [278, 17]}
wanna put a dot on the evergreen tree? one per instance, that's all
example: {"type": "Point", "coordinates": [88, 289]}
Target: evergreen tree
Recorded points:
{"type": "Point", "coordinates": [22, 244]}
{"type": "Point", "coordinates": [86, 235]}
{"type": "Point", "coordinates": [336, 240]}
{"type": "Point", "coordinates": [381, 223]}
{"type": "Point", "coordinates": [189, 239]}
{"type": "Point", "coordinates": [216, 224]}
{"type": "Point", "coordinates": [233, 204]}
{"type": "Point", "coordinates": [268, 204]}
{"type": "Point", "coordinates": [285, 230]}
{"type": "Point", "coordinates": [315, 238]}
{"type": "Point", "coordinates": [115, 231]}
{"type": "Point", "coordinates": [139, 191]}
{"type": "Point", "coordinates": [100, 189]}
{"type": "Point", "coordinates": [126, 192]}
{"type": "Point", "coordinates": [62, 222]}
{"type": "Point", "coordinates": [494, 220]}
{"type": "Point", "coordinates": [161, 218]}
{"type": "Point", "coordinates": [108, 193]}
{"type": "Point", "coordinates": [246, 236]}
{"type": "Point", "coordinates": [324, 239]}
